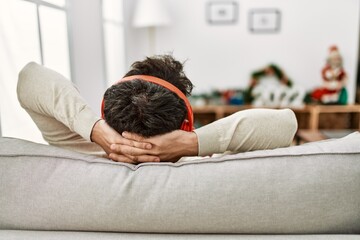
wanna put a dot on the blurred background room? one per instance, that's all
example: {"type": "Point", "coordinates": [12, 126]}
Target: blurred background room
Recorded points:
{"type": "Point", "coordinates": [240, 54]}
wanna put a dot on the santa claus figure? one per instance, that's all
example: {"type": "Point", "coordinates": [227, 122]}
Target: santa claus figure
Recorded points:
{"type": "Point", "coordinates": [334, 80]}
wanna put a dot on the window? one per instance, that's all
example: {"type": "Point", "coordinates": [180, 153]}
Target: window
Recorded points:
{"type": "Point", "coordinates": [31, 30]}
{"type": "Point", "coordinates": [54, 39]}
{"type": "Point", "coordinates": [113, 27]}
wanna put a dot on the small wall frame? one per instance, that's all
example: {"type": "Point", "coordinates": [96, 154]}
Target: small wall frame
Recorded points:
{"type": "Point", "coordinates": [222, 12]}
{"type": "Point", "coordinates": [264, 20]}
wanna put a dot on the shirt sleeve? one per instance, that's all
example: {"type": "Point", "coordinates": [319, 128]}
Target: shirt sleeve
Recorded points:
{"type": "Point", "coordinates": [50, 98]}
{"type": "Point", "coordinates": [248, 130]}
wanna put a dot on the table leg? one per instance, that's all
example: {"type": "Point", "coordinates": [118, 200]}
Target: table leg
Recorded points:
{"type": "Point", "coordinates": [314, 118]}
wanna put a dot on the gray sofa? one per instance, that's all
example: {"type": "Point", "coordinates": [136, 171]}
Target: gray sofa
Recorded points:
{"type": "Point", "coordinates": [310, 191]}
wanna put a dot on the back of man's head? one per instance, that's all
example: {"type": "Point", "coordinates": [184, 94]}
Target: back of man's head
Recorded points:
{"type": "Point", "coordinates": [146, 108]}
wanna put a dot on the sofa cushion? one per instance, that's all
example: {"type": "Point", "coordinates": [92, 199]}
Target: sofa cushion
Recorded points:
{"type": "Point", "coordinates": [312, 188]}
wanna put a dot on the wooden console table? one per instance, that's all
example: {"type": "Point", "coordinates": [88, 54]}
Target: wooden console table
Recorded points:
{"type": "Point", "coordinates": [313, 111]}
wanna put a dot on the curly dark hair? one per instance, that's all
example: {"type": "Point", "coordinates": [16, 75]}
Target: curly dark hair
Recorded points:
{"type": "Point", "coordinates": [146, 108]}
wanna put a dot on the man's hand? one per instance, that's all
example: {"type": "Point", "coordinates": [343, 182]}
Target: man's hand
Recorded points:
{"type": "Point", "coordinates": [105, 136]}
{"type": "Point", "coordinates": [168, 147]}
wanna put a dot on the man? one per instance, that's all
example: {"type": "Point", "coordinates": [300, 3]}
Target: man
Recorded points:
{"type": "Point", "coordinates": [66, 121]}
{"type": "Point", "coordinates": [151, 99]}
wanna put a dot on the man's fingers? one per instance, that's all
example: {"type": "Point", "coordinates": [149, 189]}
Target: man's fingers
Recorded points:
{"type": "Point", "coordinates": [133, 136]}
{"type": "Point", "coordinates": [134, 143]}
{"type": "Point", "coordinates": [132, 159]}
{"type": "Point", "coordinates": [121, 158]}
{"type": "Point", "coordinates": [127, 150]}
{"type": "Point", "coordinates": [147, 158]}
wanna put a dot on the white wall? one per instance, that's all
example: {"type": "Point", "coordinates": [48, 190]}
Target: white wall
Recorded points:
{"type": "Point", "coordinates": [225, 56]}
{"type": "Point", "coordinates": [87, 52]}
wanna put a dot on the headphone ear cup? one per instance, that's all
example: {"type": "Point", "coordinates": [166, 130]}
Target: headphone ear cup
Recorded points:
{"type": "Point", "coordinates": [186, 126]}
{"type": "Point", "coordinates": [102, 109]}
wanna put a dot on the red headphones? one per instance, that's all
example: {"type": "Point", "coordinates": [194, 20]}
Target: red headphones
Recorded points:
{"type": "Point", "coordinates": [188, 124]}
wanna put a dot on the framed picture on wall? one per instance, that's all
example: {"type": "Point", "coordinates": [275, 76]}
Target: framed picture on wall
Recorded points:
{"type": "Point", "coordinates": [222, 12]}
{"type": "Point", "coordinates": [264, 20]}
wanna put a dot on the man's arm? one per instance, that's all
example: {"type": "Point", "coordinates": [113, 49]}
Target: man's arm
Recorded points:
{"type": "Point", "coordinates": [63, 116]}
{"type": "Point", "coordinates": [247, 130]}
{"type": "Point", "coordinates": [56, 107]}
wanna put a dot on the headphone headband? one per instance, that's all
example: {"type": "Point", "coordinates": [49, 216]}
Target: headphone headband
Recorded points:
{"type": "Point", "coordinates": [188, 124]}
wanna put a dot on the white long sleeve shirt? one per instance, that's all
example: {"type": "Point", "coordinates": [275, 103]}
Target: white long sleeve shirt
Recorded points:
{"type": "Point", "coordinates": [65, 119]}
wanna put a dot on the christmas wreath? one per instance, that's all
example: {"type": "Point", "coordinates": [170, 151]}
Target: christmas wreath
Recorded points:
{"type": "Point", "coordinates": [271, 70]}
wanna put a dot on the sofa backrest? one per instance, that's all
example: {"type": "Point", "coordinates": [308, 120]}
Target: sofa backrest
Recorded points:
{"type": "Point", "coordinates": [312, 188]}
